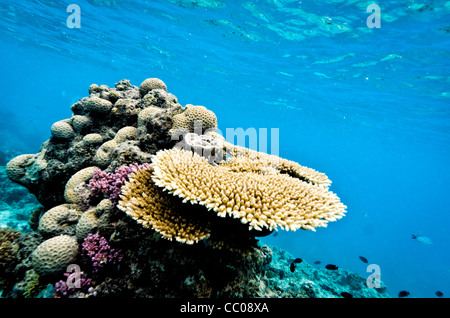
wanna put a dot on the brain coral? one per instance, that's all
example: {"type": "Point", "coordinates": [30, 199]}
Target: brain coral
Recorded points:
{"type": "Point", "coordinates": [88, 223]}
{"type": "Point", "coordinates": [59, 220]}
{"type": "Point", "coordinates": [92, 139]}
{"type": "Point", "coordinates": [98, 105]}
{"type": "Point", "coordinates": [62, 130]}
{"type": "Point", "coordinates": [269, 201]}
{"type": "Point", "coordinates": [196, 119]}
{"type": "Point", "coordinates": [104, 153]}
{"type": "Point", "coordinates": [80, 122]}
{"type": "Point", "coordinates": [78, 178]}
{"type": "Point", "coordinates": [153, 208]}
{"type": "Point", "coordinates": [16, 168]}
{"type": "Point", "coordinates": [125, 133]}
{"type": "Point", "coordinates": [150, 84]}
{"type": "Point", "coordinates": [54, 255]}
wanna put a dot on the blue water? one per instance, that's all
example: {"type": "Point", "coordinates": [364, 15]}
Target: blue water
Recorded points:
{"type": "Point", "coordinates": [369, 107]}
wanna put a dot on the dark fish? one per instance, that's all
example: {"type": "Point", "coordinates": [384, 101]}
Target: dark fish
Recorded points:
{"type": "Point", "coordinates": [403, 293]}
{"type": "Point", "coordinates": [331, 266]}
{"type": "Point", "coordinates": [363, 259]}
{"type": "Point", "coordinates": [275, 234]}
{"type": "Point", "coordinates": [317, 262]}
{"type": "Point", "coordinates": [439, 293]}
{"type": "Point", "coordinates": [292, 267]}
{"type": "Point", "coordinates": [346, 295]}
{"type": "Point", "coordinates": [298, 260]}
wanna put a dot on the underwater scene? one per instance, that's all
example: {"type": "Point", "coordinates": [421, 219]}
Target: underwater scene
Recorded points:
{"type": "Point", "coordinates": [224, 149]}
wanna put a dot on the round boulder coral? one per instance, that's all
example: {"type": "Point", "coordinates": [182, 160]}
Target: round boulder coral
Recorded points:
{"type": "Point", "coordinates": [98, 105]}
{"type": "Point", "coordinates": [88, 224]}
{"type": "Point", "coordinates": [53, 255]}
{"type": "Point", "coordinates": [80, 122]}
{"type": "Point", "coordinates": [104, 153]}
{"type": "Point", "coordinates": [16, 168]}
{"type": "Point", "coordinates": [59, 220]}
{"type": "Point", "coordinates": [76, 180]}
{"type": "Point", "coordinates": [196, 119]}
{"type": "Point", "coordinates": [92, 139]}
{"type": "Point", "coordinates": [151, 83]}
{"type": "Point", "coordinates": [62, 130]}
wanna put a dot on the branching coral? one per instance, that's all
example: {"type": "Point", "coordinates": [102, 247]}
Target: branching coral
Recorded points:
{"type": "Point", "coordinates": [97, 249]}
{"type": "Point", "coordinates": [63, 289]}
{"type": "Point", "coordinates": [109, 184]}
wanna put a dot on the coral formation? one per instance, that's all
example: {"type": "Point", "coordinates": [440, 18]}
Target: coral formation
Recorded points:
{"type": "Point", "coordinates": [88, 223]}
{"type": "Point", "coordinates": [145, 214]}
{"type": "Point", "coordinates": [150, 84]}
{"type": "Point", "coordinates": [78, 178]}
{"type": "Point", "coordinates": [110, 184]}
{"type": "Point", "coordinates": [100, 252]}
{"type": "Point", "coordinates": [61, 219]}
{"type": "Point", "coordinates": [62, 130]}
{"type": "Point", "coordinates": [196, 119]}
{"type": "Point", "coordinates": [268, 201]}
{"type": "Point", "coordinates": [54, 255]}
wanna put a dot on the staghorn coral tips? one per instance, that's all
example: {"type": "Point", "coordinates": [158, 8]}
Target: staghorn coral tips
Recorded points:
{"type": "Point", "coordinates": [263, 201]}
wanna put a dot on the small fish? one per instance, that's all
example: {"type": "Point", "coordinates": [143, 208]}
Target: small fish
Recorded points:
{"type": "Point", "coordinates": [331, 266]}
{"type": "Point", "coordinates": [275, 234]}
{"type": "Point", "coordinates": [292, 267]}
{"type": "Point", "coordinates": [346, 295]}
{"type": "Point", "coordinates": [298, 260]}
{"type": "Point", "coordinates": [317, 262]}
{"type": "Point", "coordinates": [422, 239]}
{"type": "Point", "coordinates": [363, 259]}
{"type": "Point", "coordinates": [439, 293]}
{"type": "Point", "coordinates": [403, 293]}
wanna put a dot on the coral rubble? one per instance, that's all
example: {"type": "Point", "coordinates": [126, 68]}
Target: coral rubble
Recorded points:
{"type": "Point", "coordinates": [131, 209]}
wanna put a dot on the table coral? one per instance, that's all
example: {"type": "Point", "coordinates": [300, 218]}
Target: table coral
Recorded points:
{"type": "Point", "coordinates": [262, 200]}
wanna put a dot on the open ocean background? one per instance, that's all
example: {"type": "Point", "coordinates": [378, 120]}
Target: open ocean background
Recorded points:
{"type": "Point", "coordinates": [369, 107]}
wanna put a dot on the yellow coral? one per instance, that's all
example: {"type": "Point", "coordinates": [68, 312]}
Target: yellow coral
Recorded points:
{"type": "Point", "coordinates": [251, 159]}
{"type": "Point", "coordinates": [268, 201]}
{"type": "Point", "coordinates": [125, 133]}
{"type": "Point", "coordinates": [153, 208]}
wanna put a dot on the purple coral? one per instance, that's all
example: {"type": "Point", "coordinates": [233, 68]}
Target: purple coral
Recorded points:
{"type": "Point", "coordinates": [98, 250]}
{"type": "Point", "coordinates": [110, 183]}
{"type": "Point", "coordinates": [63, 289]}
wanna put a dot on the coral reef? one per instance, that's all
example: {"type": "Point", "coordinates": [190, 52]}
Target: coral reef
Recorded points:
{"type": "Point", "coordinates": [141, 197]}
